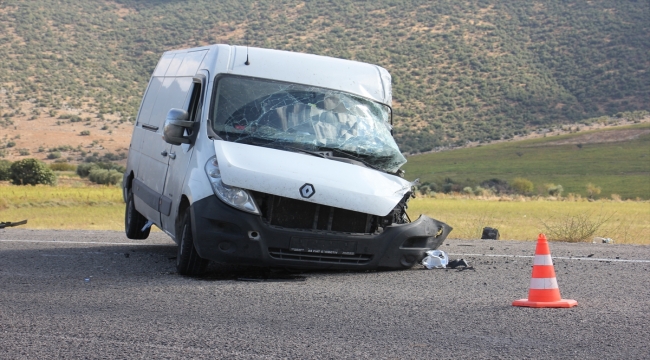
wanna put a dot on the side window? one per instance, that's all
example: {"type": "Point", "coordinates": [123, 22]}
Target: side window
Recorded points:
{"type": "Point", "coordinates": [149, 100]}
{"type": "Point", "coordinates": [194, 107]}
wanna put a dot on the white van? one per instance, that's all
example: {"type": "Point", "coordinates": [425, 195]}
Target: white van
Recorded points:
{"type": "Point", "coordinates": [273, 158]}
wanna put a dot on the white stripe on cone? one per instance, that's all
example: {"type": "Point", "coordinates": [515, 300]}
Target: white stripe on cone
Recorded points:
{"type": "Point", "coordinates": [543, 260]}
{"type": "Point", "coordinates": [543, 283]}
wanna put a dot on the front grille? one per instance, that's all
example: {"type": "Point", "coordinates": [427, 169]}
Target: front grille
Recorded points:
{"type": "Point", "coordinates": [284, 254]}
{"type": "Point", "coordinates": [298, 214]}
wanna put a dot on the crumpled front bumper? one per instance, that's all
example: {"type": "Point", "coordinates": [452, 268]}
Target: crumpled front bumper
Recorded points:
{"type": "Point", "coordinates": [224, 234]}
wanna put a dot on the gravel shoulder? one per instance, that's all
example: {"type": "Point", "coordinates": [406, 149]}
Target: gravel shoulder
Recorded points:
{"type": "Point", "coordinates": [135, 305]}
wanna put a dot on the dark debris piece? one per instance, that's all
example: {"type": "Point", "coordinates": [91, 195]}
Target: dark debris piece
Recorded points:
{"type": "Point", "coordinates": [11, 224]}
{"type": "Point", "coordinates": [490, 233]}
{"type": "Point", "coordinates": [461, 264]}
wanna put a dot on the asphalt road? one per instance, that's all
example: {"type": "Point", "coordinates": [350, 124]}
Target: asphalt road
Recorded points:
{"type": "Point", "coordinates": [134, 305]}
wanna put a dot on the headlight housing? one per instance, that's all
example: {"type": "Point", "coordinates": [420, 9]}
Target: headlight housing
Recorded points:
{"type": "Point", "coordinates": [238, 198]}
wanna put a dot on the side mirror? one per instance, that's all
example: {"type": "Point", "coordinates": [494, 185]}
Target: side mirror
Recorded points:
{"type": "Point", "coordinates": [175, 125]}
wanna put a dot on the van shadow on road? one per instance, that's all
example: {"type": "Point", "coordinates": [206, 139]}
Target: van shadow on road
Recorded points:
{"type": "Point", "coordinates": [119, 261]}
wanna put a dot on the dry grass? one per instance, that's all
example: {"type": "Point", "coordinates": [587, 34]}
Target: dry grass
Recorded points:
{"type": "Point", "coordinates": [60, 196]}
{"type": "Point", "coordinates": [63, 207]}
{"type": "Point", "coordinates": [519, 218]}
{"type": "Point", "coordinates": [523, 219]}
{"type": "Point", "coordinates": [98, 217]}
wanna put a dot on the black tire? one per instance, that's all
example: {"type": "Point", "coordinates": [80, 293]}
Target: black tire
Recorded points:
{"type": "Point", "coordinates": [188, 261]}
{"type": "Point", "coordinates": [134, 221]}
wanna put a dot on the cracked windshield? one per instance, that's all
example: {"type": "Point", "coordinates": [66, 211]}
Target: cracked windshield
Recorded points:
{"type": "Point", "coordinates": [306, 119]}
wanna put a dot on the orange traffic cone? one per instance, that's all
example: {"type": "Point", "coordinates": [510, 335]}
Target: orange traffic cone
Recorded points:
{"type": "Point", "coordinates": [544, 292]}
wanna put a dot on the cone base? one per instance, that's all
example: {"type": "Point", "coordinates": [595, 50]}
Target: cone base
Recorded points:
{"type": "Point", "coordinates": [562, 303]}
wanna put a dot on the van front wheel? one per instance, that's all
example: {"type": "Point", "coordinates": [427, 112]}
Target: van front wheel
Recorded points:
{"type": "Point", "coordinates": [188, 261]}
{"type": "Point", "coordinates": [134, 221]}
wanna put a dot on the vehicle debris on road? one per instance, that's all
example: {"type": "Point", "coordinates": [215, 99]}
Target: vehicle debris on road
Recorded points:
{"type": "Point", "coordinates": [490, 233]}
{"type": "Point", "coordinates": [458, 263]}
{"type": "Point", "coordinates": [599, 240]}
{"type": "Point", "coordinates": [437, 259]}
{"type": "Point", "coordinates": [11, 224]}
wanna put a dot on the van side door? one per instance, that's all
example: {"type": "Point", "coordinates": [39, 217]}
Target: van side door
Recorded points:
{"type": "Point", "coordinates": [181, 155]}
{"type": "Point", "coordinates": [150, 178]}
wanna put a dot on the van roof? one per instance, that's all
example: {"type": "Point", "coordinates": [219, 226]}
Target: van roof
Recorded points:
{"type": "Point", "coordinates": [367, 80]}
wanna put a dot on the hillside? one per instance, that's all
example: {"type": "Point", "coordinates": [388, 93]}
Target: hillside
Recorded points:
{"type": "Point", "coordinates": [617, 160]}
{"type": "Point", "coordinates": [462, 71]}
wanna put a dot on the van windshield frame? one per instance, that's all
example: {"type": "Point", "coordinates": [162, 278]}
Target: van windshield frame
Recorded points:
{"type": "Point", "coordinates": [304, 118]}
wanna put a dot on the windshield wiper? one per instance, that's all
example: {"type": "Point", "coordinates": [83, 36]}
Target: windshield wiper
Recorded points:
{"type": "Point", "coordinates": [355, 158]}
{"type": "Point", "coordinates": [314, 153]}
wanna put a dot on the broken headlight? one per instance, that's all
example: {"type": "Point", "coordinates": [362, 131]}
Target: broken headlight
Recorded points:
{"type": "Point", "coordinates": [231, 195]}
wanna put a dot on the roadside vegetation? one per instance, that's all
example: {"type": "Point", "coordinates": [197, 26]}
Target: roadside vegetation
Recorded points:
{"type": "Point", "coordinates": [611, 164]}
{"type": "Point", "coordinates": [522, 218]}
{"type": "Point", "coordinates": [78, 204]}
{"type": "Point", "coordinates": [35, 172]}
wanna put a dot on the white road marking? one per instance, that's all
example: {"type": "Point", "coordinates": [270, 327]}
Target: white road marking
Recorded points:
{"type": "Point", "coordinates": [555, 257]}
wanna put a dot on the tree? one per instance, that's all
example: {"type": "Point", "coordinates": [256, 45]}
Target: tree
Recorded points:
{"type": "Point", "coordinates": [592, 190]}
{"type": "Point", "coordinates": [31, 172]}
{"type": "Point", "coordinates": [5, 171]}
{"type": "Point", "coordinates": [522, 186]}
{"type": "Point", "coordinates": [554, 190]}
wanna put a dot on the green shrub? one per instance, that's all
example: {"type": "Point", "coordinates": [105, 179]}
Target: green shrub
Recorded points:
{"type": "Point", "coordinates": [31, 172]}
{"type": "Point", "coordinates": [111, 157]}
{"type": "Point", "coordinates": [83, 170]}
{"type": "Point", "coordinates": [54, 155]}
{"type": "Point", "coordinates": [554, 190]}
{"type": "Point", "coordinates": [105, 177]}
{"type": "Point", "coordinates": [522, 186]}
{"type": "Point", "coordinates": [111, 166]}
{"type": "Point", "coordinates": [592, 190]}
{"type": "Point", "coordinates": [62, 166]}
{"type": "Point", "coordinates": [5, 171]}
{"type": "Point", "coordinates": [85, 133]}
{"type": "Point", "coordinates": [23, 152]}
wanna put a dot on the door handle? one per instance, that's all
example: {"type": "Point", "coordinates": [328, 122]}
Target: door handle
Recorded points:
{"type": "Point", "coordinates": [164, 153]}
{"type": "Point", "coordinates": [172, 156]}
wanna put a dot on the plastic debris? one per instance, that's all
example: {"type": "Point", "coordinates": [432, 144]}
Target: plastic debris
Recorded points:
{"type": "Point", "coordinates": [598, 240]}
{"type": "Point", "coordinates": [435, 259]}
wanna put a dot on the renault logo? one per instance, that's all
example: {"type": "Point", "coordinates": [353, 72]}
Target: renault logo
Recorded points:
{"type": "Point", "coordinates": [307, 191]}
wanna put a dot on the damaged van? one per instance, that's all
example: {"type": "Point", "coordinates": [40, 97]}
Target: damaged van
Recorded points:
{"type": "Point", "coordinates": [272, 158]}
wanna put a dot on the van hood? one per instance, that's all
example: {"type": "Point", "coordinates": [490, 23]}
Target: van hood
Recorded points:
{"type": "Point", "coordinates": [289, 174]}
